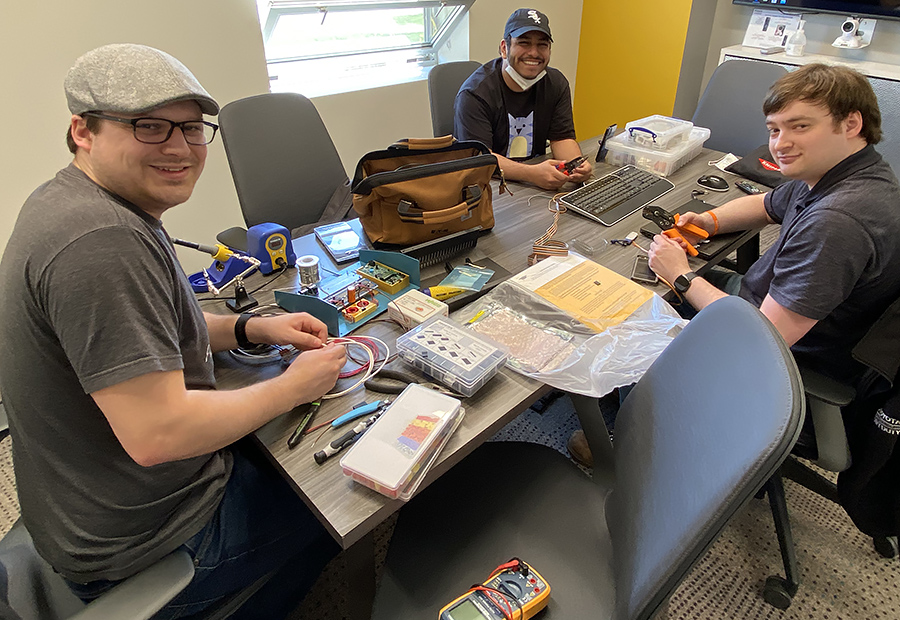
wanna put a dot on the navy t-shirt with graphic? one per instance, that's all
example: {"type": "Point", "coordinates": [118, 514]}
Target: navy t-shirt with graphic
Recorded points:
{"type": "Point", "coordinates": [514, 124]}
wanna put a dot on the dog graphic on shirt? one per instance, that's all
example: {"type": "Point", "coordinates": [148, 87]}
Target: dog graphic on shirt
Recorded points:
{"type": "Point", "coordinates": [521, 135]}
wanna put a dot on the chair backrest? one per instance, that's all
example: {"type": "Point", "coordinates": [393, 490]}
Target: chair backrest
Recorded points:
{"type": "Point", "coordinates": [443, 84]}
{"type": "Point", "coordinates": [284, 164]}
{"type": "Point", "coordinates": [731, 105]}
{"type": "Point", "coordinates": [701, 432]}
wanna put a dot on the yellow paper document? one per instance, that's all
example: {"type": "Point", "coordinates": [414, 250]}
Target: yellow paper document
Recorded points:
{"type": "Point", "coordinates": [594, 295]}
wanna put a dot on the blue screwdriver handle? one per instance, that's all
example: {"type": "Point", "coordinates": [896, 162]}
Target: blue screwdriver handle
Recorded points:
{"type": "Point", "coordinates": [356, 413]}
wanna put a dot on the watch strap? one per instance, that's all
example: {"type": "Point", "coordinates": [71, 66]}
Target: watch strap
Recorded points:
{"type": "Point", "coordinates": [240, 331]}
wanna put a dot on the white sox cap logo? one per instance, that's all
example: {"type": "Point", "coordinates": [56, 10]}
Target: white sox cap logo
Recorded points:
{"type": "Point", "coordinates": [533, 15]}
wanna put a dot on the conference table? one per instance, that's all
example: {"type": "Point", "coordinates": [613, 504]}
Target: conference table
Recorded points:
{"type": "Point", "coordinates": [350, 511]}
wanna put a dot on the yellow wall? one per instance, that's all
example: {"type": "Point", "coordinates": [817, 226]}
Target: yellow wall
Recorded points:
{"type": "Point", "coordinates": [629, 60]}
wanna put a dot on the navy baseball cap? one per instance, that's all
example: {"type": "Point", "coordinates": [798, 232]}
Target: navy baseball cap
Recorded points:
{"type": "Point", "coordinates": [526, 20]}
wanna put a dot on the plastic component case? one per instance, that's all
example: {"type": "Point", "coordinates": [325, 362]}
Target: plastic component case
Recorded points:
{"type": "Point", "coordinates": [623, 152]}
{"type": "Point", "coordinates": [393, 456]}
{"type": "Point", "coordinates": [457, 357]}
{"type": "Point", "coordinates": [658, 132]}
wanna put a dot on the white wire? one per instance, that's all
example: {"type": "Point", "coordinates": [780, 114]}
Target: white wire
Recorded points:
{"type": "Point", "coordinates": [372, 355]}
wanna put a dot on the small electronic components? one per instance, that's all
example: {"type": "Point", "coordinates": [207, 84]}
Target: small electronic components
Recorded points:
{"type": "Point", "coordinates": [359, 310]}
{"type": "Point", "coordinates": [388, 279]}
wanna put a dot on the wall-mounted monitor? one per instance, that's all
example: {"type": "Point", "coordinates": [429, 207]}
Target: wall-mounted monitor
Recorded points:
{"type": "Point", "coordinates": [878, 9]}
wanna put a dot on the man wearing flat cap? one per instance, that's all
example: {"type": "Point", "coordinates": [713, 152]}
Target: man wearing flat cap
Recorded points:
{"type": "Point", "coordinates": [515, 104]}
{"type": "Point", "coordinates": [123, 448]}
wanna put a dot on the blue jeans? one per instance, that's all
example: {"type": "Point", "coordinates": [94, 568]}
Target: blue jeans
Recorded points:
{"type": "Point", "coordinates": [261, 526]}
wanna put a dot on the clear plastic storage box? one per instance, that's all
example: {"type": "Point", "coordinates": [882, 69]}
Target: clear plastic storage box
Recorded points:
{"type": "Point", "coordinates": [661, 133]}
{"type": "Point", "coordinates": [393, 456]}
{"type": "Point", "coordinates": [457, 357]}
{"type": "Point", "coordinates": [623, 152]}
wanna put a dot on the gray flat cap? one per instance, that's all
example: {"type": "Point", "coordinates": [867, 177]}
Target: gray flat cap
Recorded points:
{"type": "Point", "coordinates": [130, 78]}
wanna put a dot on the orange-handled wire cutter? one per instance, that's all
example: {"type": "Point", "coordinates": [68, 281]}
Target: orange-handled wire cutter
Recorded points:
{"type": "Point", "coordinates": [669, 225]}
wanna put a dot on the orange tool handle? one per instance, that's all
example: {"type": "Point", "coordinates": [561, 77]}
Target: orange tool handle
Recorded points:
{"type": "Point", "coordinates": [696, 230]}
{"type": "Point", "coordinates": [673, 233]}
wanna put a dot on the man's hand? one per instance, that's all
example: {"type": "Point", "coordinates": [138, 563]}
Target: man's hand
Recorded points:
{"type": "Point", "coordinates": [700, 220]}
{"type": "Point", "coordinates": [299, 329]}
{"type": "Point", "coordinates": [582, 173]}
{"type": "Point", "coordinates": [315, 372]}
{"type": "Point", "coordinates": [546, 176]}
{"type": "Point", "coordinates": [667, 258]}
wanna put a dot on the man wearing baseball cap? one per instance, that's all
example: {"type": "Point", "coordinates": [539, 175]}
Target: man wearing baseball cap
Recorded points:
{"type": "Point", "coordinates": [123, 448]}
{"type": "Point", "coordinates": [516, 103]}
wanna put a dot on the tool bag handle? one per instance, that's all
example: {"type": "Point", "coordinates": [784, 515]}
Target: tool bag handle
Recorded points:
{"type": "Point", "coordinates": [408, 212]}
{"type": "Point", "coordinates": [423, 144]}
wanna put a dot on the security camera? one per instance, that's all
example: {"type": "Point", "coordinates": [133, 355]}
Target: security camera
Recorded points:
{"type": "Point", "coordinates": [851, 35]}
{"type": "Point", "coordinates": [850, 27]}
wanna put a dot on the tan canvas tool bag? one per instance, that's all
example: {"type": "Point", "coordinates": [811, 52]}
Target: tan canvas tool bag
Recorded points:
{"type": "Point", "coordinates": [419, 190]}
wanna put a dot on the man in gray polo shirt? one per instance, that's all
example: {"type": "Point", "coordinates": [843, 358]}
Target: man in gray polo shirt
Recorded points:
{"type": "Point", "coordinates": [123, 447]}
{"type": "Point", "coordinates": [835, 267]}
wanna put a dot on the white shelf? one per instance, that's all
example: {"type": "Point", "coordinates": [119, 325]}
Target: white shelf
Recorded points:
{"type": "Point", "coordinates": [872, 69]}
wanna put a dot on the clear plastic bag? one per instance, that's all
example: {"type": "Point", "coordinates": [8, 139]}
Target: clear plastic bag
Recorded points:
{"type": "Point", "coordinates": [549, 345]}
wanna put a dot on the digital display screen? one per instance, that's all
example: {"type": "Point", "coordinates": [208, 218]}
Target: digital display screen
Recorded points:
{"type": "Point", "coordinates": [884, 9]}
{"type": "Point", "coordinates": [465, 611]}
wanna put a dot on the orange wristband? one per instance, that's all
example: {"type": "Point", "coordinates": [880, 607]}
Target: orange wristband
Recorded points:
{"type": "Point", "coordinates": [715, 222]}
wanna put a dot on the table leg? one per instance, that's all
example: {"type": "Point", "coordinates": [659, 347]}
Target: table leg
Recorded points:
{"type": "Point", "coordinates": [748, 254]}
{"type": "Point", "coordinates": [359, 572]}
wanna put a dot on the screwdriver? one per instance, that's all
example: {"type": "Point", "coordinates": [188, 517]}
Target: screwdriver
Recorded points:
{"type": "Point", "coordinates": [294, 439]}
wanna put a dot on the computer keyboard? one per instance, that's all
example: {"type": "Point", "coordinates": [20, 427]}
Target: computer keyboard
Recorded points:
{"type": "Point", "coordinates": [617, 195]}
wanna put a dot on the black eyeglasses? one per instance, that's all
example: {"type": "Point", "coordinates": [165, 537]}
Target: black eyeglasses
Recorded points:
{"type": "Point", "coordinates": [158, 130]}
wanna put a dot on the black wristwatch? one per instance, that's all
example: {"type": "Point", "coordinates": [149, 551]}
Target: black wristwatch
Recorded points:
{"type": "Point", "coordinates": [683, 283]}
{"type": "Point", "coordinates": [240, 331]}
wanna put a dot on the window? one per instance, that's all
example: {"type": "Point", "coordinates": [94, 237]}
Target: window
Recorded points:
{"type": "Point", "coordinates": [332, 46]}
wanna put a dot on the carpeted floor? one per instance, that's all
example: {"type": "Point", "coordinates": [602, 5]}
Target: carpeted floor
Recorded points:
{"type": "Point", "coordinates": [842, 576]}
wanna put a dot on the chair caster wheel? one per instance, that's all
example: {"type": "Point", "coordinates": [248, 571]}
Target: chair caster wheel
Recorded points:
{"type": "Point", "coordinates": [777, 593]}
{"type": "Point", "coordinates": [886, 546]}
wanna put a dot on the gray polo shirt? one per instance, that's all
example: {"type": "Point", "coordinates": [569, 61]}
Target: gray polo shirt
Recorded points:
{"type": "Point", "coordinates": [837, 258]}
{"type": "Point", "coordinates": [93, 295]}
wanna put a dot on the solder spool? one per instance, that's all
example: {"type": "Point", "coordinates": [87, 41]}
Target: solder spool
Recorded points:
{"type": "Point", "coordinates": [309, 270]}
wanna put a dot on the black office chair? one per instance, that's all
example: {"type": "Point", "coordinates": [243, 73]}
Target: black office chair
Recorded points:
{"type": "Point", "coordinates": [285, 167]}
{"type": "Point", "coordinates": [443, 84]}
{"type": "Point", "coordinates": [685, 458]}
{"type": "Point", "coordinates": [31, 590]}
{"type": "Point", "coordinates": [731, 105]}
{"type": "Point", "coordinates": [830, 448]}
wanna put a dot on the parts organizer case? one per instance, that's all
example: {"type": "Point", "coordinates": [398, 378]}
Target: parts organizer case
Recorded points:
{"type": "Point", "coordinates": [393, 456]}
{"type": "Point", "coordinates": [419, 190]}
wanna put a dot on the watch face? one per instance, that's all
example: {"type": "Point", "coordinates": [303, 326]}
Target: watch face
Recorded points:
{"type": "Point", "coordinates": [683, 282]}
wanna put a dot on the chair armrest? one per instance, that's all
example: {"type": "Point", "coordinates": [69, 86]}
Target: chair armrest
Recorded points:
{"type": "Point", "coordinates": [824, 399]}
{"type": "Point", "coordinates": [826, 389]}
{"type": "Point", "coordinates": [142, 595]}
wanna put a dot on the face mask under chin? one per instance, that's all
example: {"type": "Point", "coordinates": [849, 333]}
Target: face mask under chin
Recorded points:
{"type": "Point", "coordinates": [523, 82]}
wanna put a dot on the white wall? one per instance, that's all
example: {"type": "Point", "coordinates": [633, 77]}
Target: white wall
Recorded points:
{"type": "Point", "coordinates": [219, 40]}
{"type": "Point", "coordinates": [821, 30]}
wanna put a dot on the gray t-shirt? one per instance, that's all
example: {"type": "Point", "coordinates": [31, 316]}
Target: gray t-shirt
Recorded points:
{"type": "Point", "coordinates": [836, 259]}
{"type": "Point", "coordinates": [93, 295]}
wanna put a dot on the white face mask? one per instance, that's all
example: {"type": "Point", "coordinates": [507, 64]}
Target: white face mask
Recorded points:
{"type": "Point", "coordinates": [523, 82]}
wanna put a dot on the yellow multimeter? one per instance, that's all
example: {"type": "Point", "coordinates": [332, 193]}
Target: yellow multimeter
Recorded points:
{"type": "Point", "coordinates": [514, 591]}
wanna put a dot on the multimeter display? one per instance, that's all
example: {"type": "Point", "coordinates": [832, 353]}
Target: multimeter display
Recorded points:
{"type": "Point", "coordinates": [465, 611]}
